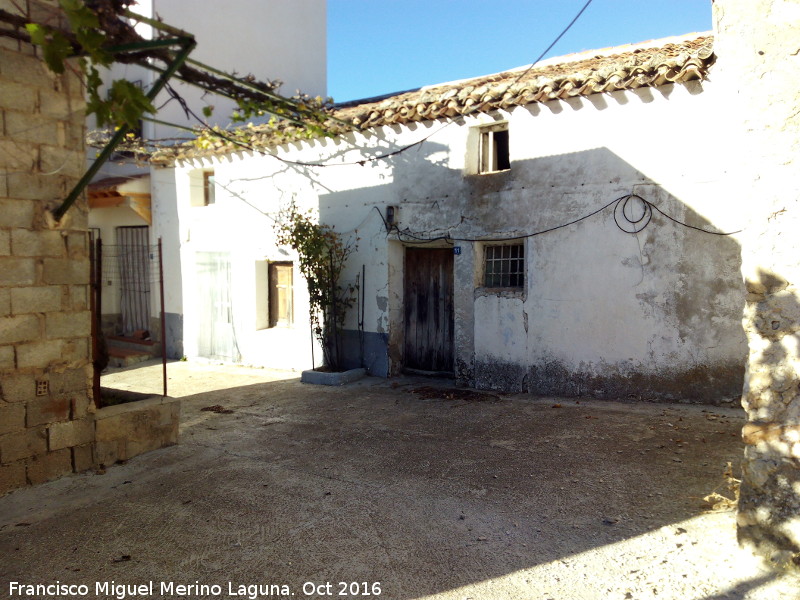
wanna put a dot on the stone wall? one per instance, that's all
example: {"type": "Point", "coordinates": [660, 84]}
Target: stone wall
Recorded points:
{"type": "Point", "coordinates": [758, 63]}
{"type": "Point", "coordinates": [46, 420]}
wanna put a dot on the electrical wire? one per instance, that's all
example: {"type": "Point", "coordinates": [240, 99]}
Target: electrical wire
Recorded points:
{"type": "Point", "coordinates": [364, 161]}
{"type": "Point", "coordinates": [624, 220]}
{"type": "Point", "coordinates": [550, 47]}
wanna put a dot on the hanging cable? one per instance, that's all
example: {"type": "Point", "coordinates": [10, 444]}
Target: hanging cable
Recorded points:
{"type": "Point", "coordinates": [632, 214]}
{"type": "Point", "coordinates": [364, 161]}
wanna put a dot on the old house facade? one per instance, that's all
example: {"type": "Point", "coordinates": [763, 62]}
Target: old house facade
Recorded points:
{"type": "Point", "coordinates": [454, 260]}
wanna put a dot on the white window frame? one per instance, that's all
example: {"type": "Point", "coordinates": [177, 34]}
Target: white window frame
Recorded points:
{"type": "Point", "coordinates": [493, 152]}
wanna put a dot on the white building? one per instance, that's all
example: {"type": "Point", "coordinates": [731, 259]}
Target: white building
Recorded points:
{"type": "Point", "coordinates": [463, 282]}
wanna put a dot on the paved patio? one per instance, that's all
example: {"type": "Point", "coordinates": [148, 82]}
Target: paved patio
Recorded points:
{"type": "Point", "coordinates": [424, 490]}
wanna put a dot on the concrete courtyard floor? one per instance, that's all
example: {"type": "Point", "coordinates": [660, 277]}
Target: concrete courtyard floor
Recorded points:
{"type": "Point", "coordinates": [406, 487]}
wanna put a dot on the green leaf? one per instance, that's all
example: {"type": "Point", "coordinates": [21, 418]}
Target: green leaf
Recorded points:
{"type": "Point", "coordinates": [128, 103]}
{"type": "Point", "coordinates": [38, 33]}
{"type": "Point", "coordinates": [208, 110]}
{"type": "Point", "coordinates": [79, 15]}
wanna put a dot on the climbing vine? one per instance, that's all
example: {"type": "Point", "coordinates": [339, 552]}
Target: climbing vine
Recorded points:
{"type": "Point", "coordinates": [322, 256]}
{"type": "Point", "coordinates": [95, 34]}
{"type": "Point", "coordinates": [125, 102]}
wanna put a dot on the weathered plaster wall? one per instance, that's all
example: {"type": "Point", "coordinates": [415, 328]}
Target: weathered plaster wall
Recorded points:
{"type": "Point", "coordinates": [650, 315]}
{"type": "Point", "coordinates": [759, 57]}
{"type": "Point", "coordinates": [46, 421]}
{"type": "Point", "coordinates": [655, 314]}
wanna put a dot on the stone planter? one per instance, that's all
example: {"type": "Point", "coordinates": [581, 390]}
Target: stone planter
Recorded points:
{"type": "Point", "coordinates": [127, 430]}
{"type": "Point", "coordinates": [330, 378]}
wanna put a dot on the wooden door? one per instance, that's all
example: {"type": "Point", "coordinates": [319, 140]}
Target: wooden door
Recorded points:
{"type": "Point", "coordinates": [428, 299]}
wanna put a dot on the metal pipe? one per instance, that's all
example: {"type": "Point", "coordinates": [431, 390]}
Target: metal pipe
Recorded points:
{"type": "Point", "coordinates": [96, 330]}
{"type": "Point", "coordinates": [163, 316]}
{"type": "Point", "coordinates": [226, 94]}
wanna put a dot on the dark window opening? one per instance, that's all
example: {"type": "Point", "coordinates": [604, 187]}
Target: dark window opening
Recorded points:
{"type": "Point", "coordinates": [209, 188]}
{"type": "Point", "coordinates": [494, 149]}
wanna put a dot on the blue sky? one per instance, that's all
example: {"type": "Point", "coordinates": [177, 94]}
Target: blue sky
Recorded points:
{"type": "Point", "coordinates": [381, 46]}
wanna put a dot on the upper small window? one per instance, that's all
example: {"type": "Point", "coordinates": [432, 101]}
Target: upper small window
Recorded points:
{"type": "Point", "coordinates": [208, 188]}
{"type": "Point", "coordinates": [493, 153]}
{"type": "Point", "coordinates": [504, 266]}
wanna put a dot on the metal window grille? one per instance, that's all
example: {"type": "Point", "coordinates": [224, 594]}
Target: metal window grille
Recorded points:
{"type": "Point", "coordinates": [504, 266]}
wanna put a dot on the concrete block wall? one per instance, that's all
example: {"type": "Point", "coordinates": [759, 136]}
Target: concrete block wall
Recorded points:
{"type": "Point", "coordinates": [47, 425]}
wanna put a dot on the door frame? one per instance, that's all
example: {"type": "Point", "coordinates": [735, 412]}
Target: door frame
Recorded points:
{"type": "Point", "coordinates": [396, 335]}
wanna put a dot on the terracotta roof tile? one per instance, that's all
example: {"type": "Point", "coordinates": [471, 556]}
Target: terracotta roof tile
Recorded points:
{"type": "Point", "coordinates": [659, 62]}
{"type": "Point", "coordinates": [583, 74]}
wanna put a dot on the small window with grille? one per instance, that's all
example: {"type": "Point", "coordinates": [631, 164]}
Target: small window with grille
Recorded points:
{"type": "Point", "coordinates": [504, 266]}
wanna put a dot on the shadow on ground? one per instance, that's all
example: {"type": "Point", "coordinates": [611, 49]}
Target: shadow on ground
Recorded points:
{"type": "Point", "coordinates": [430, 496]}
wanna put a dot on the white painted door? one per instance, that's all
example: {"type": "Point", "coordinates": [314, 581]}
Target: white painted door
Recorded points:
{"type": "Point", "coordinates": [216, 331]}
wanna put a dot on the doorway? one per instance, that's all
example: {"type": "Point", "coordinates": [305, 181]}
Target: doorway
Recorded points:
{"type": "Point", "coordinates": [134, 274]}
{"type": "Point", "coordinates": [428, 311]}
{"type": "Point", "coordinates": [216, 337]}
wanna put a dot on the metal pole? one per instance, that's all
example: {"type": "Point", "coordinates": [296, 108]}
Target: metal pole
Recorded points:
{"type": "Point", "coordinates": [94, 279]}
{"type": "Point", "coordinates": [163, 317]}
{"type": "Point", "coordinates": [311, 325]}
{"type": "Point", "coordinates": [362, 289]}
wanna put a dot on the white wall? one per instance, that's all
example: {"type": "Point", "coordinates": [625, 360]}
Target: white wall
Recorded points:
{"type": "Point", "coordinates": [241, 228]}
{"type": "Point", "coordinates": [604, 312]}
{"type": "Point", "coordinates": [270, 39]}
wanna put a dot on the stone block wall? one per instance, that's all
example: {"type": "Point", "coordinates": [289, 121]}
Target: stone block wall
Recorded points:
{"type": "Point", "coordinates": [46, 409]}
{"type": "Point", "coordinates": [756, 43]}
{"type": "Point", "coordinates": [127, 430]}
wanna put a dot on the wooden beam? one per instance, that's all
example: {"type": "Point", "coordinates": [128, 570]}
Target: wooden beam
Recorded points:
{"type": "Point", "coordinates": [138, 203]}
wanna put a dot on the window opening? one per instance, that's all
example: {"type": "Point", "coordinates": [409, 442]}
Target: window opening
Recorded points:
{"type": "Point", "coordinates": [208, 188]}
{"type": "Point", "coordinates": [494, 154]}
{"type": "Point", "coordinates": [504, 266]}
{"type": "Point", "coordinates": [280, 294]}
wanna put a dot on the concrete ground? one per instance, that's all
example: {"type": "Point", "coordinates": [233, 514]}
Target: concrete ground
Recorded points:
{"type": "Point", "coordinates": [399, 489]}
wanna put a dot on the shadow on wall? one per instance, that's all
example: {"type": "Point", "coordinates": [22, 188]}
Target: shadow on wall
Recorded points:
{"type": "Point", "coordinates": [769, 504]}
{"type": "Point", "coordinates": [647, 313]}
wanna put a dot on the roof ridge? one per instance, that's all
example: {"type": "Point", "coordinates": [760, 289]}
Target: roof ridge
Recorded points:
{"type": "Point", "coordinates": [676, 59]}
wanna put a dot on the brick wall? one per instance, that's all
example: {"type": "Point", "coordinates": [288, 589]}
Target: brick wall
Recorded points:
{"type": "Point", "coordinates": [47, 425]}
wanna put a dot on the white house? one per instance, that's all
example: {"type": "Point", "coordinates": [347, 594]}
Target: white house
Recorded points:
{"type": "Point", "coordinates": [447, 191]}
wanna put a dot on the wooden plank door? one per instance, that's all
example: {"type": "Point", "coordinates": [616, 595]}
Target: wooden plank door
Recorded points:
{"type": "Point", "coordinates": [428, 299]}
